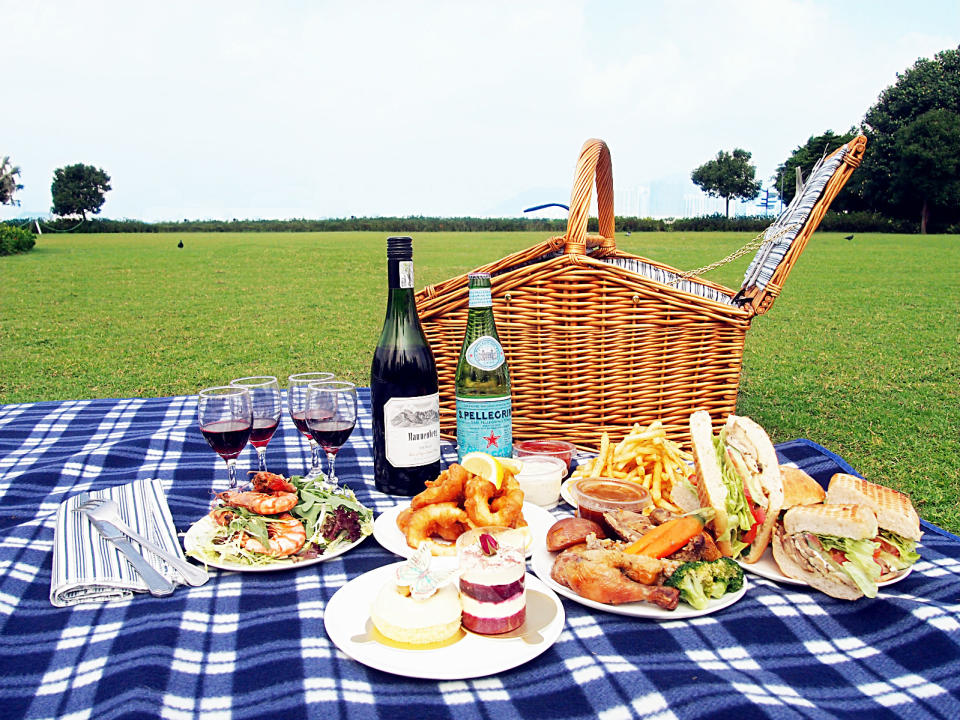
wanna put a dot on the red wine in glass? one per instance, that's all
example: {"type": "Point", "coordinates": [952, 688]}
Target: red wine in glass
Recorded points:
{"type": "Point", "coordinates": [297, 387]}
{"type": "Point", "coordinates": [331, 413]}
{"type": "Point", "coordinates": [225, 416]}
{"type": "Point", "coordinates": [300, 421]}
{"type": "Point", "coordinates": [329, 433]}
{"type": "Point", "coordinates": [267, 409]}
{"type": "Point", "coordinates": [263, 430]}
{"type": "Point", "coordinates": [228, 438]}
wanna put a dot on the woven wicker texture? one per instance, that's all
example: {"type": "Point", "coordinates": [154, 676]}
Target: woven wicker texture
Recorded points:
{"type": "Point", "coordinates": [593, 347]}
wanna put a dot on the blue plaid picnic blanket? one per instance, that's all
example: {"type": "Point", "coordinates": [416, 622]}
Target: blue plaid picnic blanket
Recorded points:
{"type": "Point", "coordinates": [253, 645]}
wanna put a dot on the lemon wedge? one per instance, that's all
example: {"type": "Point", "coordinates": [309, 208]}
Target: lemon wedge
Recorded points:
{"type": "Point", "coordinates": [511, 465]}
{"type": "Point", "coordinates": [484, 465]}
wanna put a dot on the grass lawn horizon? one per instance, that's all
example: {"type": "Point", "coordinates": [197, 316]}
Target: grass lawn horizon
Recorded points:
{"type": "Point", "coordinates": [859, 353]}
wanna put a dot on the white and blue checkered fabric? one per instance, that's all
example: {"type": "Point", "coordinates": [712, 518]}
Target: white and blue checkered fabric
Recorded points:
{"type": "Point", "coordinates": [667, 277]}
{"type": "Point", "coordinates": [784, 229]}
{"type": "Point", "coordinates": [253, 645]}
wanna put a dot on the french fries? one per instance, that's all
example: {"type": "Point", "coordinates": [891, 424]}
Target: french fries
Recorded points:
{"type": "Point", "coordinates": [644, 456]}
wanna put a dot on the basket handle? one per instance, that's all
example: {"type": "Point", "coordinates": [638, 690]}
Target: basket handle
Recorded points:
{"type": "Point", "coordinates": [594, 162]}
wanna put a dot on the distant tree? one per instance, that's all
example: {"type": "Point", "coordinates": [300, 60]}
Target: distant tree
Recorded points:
{"type": "Point", "coordinates": [928, 85]}
{"type": "Point", "coordinates": [929, 150]}
{"type": "Point", "coordinates": [8, 182]}
{"type": "Point", "coordinates": [79, 189]}
{"type": "Point", "coordinates": [805, 157]}
{"type": "Point", "coordinates": [729, 175]}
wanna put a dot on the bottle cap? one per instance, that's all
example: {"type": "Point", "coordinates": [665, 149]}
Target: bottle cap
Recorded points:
{"type": "Point", "coordinates": [400, 248]}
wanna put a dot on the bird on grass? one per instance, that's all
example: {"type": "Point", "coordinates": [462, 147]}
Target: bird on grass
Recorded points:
{"type": "Point", "coordinates": [180, 244]}
{"type": "Point", "coordinates": [849, 237]}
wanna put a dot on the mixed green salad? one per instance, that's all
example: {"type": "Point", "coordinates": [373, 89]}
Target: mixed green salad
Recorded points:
{"type": "Point", "coordinates": [331, 516]}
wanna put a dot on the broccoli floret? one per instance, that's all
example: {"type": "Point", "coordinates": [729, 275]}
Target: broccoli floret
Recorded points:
{"type": "Point", "coordinates": [698, 581]}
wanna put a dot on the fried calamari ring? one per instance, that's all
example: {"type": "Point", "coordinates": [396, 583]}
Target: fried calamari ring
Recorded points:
{"type": "Point", "coordinates": [482, 497]}
{"type": "Point", "coordinates": [433, 520]}
{"type": "Point", "coordinates": [448, 487]}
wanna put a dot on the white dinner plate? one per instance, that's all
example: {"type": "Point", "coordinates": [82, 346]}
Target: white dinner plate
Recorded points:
{"type": "Point", "coordinates": [766, 567]}
{"type": "Point", "coordinates": [347, 620]}
{"type": "Point", "coordinates": [190, 542]}
{"type": "Point", "coordinates": [566, 492]}
{"type": "Point", "coordinates": [542, 563]}
{"type": "Point", "coordinates": [386, 532]}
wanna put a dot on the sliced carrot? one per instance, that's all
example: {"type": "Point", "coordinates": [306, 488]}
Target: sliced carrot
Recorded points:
{"type": "Point", "coordinates": [666, 539]}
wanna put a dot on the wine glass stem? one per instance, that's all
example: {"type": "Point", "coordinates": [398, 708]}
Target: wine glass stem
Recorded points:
{"type": "Point", "coordinates": [262, 459]}
{"type": "Point", "coordinates": [315, 453]}
{"type": "Point", "coordinates": [232, 472]}
{"type": "Point", "coordinates": [331, 456]}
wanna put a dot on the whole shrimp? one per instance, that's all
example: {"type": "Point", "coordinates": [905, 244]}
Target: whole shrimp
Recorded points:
{"type": "Point", "coordinates": [286, 536]}
{"type": "Point", "coordinates": [259, 502]}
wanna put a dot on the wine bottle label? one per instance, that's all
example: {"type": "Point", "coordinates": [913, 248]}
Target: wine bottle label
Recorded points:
{"type": "Point", "coordinates": [411, 430]}
{"type": "Point", "coordinates": [406, 273]}
{"type": "Point", "coordinates": [484, 424]}
{"type": "Point", "coordinates": [485, 353]}
{"type": "Point", "coordinates": [480, 297]}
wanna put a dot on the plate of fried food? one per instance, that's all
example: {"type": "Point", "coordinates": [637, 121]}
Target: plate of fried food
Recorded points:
{"type": "Point", "coordinates": [647, 457]}
{"type": "Point", "coordinates": [631, 565]}
{"type": "Point", "coordinates": [458, 500]}
{"type": "Point", "coordinates": [279, 523]}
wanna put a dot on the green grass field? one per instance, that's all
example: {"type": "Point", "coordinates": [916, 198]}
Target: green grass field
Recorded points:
{"type": "Point", "coordinates": [860, 352]}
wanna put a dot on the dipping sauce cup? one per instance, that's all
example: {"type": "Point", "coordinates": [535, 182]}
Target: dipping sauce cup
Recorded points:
{"type": "Point", "coordinates": [548, 448]}
{"type": "Point", "coordinates": [595, 496]}
{"type": "Point", "coordinates": [540, 479]}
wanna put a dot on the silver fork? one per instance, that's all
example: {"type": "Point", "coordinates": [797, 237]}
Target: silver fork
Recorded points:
{"type": "Point", "coordinates": [109, 511]}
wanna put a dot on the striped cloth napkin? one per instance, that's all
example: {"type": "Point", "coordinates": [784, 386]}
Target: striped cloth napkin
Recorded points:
{"type": "Point", "coordinates": [87, 568]}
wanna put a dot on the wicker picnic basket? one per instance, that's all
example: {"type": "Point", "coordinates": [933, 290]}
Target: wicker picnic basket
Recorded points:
{"type": "Point", "coordinates": [598, 339]}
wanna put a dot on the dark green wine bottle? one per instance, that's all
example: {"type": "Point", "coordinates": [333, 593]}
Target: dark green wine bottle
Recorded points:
{"type": "Point", "coordinates": [403, 387]}
{"type": "Point", "coordinates": [484, 412]}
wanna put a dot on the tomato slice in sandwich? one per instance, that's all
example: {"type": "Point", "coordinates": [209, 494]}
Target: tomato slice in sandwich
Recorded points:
{"type": "Point", "coordinates": [758, 517]}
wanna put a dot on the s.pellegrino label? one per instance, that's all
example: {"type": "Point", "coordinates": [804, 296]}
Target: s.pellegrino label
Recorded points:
{"type": "Point", "coordinates": [484, 424]}
{"type": "Point", "coordinates": [484, 410]}
{"type": "Point", "coordinates": [411, 428]}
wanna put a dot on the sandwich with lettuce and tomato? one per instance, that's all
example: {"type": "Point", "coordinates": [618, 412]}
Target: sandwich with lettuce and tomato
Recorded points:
{"type": "Point", "coordinates": [898, 523]}
{"type": "Point", "coordinates": [739, 477]}
{"type": "Point", "coordinates": [831, 548]}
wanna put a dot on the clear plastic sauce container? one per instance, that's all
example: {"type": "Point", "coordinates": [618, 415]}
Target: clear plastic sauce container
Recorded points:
{"type": "Point", "coordinates": [540, 479]}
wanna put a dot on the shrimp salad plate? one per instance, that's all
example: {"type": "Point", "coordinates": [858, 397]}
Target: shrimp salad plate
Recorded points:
{"type": "Point", "coordinates": [279, 524]}
{"type": "Point", "coordinates": [542, 563]}
{"type": "Point", "coordinates": [386, 532]}
{"type": "Point", "coordinates": [468, 655]}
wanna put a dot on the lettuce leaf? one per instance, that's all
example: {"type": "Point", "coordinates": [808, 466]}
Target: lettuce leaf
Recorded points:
{"type": "Point", "coordinates": [860, 565]}
{"type": "Point", "coordinates": [739, 517]}
{"type": "Point", "coordinates": [907, 549]}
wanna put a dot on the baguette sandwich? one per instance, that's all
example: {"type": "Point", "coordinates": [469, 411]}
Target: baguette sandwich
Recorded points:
{"type": "Point", "coordinates": [739, 477]}
{"type": "Point", "coordinates": [830, 547]}
{"type": "Point", "coordinates": [897, 520]}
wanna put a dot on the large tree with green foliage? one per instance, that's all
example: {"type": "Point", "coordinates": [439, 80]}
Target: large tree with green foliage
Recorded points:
{"type": "Point", "coordinates": [900, 151]}
{"type": "Point", "coordinates": [805, 157]}
{"type": "Point", "coordinates": [728, 176]}
{"type": "Point", "coordinates": [79, 189]}
{"type": "Point", "coordinates": [8, 182]}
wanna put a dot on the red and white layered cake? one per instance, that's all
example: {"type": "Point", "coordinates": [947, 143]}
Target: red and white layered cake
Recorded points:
{"type": "Point", "coordinates": [492, 589]}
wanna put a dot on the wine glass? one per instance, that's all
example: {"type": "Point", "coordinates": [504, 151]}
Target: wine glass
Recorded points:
{"type": "Point", "coordinates": [331, 414]}
{"type": "Point", "coordinates": [226, 418]}
{"type": "Point", "coordinates": [267, 408]}
{"type": "Point", "coordinates": [297, 403]}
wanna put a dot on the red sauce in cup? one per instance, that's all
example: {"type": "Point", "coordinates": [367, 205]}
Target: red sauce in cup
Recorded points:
{"type": "Point", "coordinates": [552, 448]}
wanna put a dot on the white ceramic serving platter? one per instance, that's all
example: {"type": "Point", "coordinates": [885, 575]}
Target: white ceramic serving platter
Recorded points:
{"type": "Point", "coordinates": [347, 621]}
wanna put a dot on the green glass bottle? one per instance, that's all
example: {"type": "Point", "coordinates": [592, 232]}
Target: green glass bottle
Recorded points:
{"type": "Point", "coordinates": [484, 419]}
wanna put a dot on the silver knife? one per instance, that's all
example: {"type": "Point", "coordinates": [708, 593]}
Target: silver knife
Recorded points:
{"type": "Point", "coordinates": [157, 584]}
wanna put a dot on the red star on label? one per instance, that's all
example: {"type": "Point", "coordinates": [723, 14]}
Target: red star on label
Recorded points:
{"type": "Point", "coordinates": [492, 440]}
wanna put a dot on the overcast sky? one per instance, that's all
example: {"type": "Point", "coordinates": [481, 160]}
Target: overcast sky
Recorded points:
{"type": "Point", "coordinates": [330, 109]}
